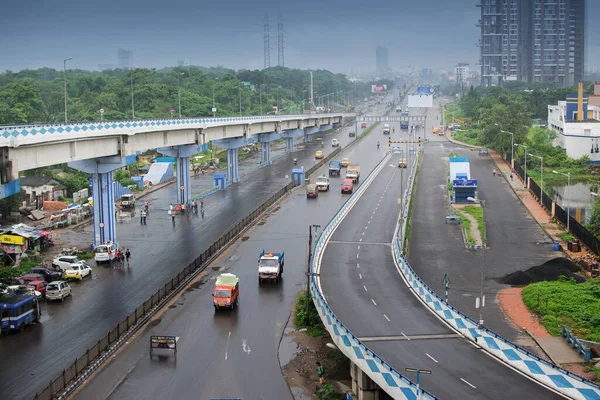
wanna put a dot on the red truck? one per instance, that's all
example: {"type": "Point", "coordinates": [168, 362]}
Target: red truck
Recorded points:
{"type": "Point", "coordinates": [227, 292]}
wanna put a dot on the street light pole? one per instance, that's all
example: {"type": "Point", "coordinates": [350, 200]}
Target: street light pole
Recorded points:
{"type": "Point", "coordinates": [568, 175]}
{"type": "Point", "coordinates": [541, 176]}
{"type": "Point", "coordinates": [512, 147]}
{"type": "Point", "coordinates": [65, 82]}
{"type": "Point", "coordinates": [525, 146]}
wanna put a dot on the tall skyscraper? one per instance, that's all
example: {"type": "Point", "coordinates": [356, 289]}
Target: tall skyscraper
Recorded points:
{"type": "Point", "coordinates": [125, 59]}
{"type": "Point", "coordinates": [381, 59]}
{"type": "Point", "coordinates": [532, 40]}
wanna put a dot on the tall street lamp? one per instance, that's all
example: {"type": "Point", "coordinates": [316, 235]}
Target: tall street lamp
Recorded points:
{"type": "Point", "coordinates": [568, 175]}
{"type": "Point", "coordinates": [65, 81]}
{"type": "Point", "coordinates": [525, 147]}
{"type": "Point", "coordinates": [179, 81]}
{"type": "Point", "coordinates": [542, 176]}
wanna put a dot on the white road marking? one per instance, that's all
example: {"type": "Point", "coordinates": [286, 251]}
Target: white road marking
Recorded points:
{"type": "Point", "coordinates": [360, 276]}
{"type": "Point", "coordinates": [357, 265]}
{"type": "Point", "coordinates": [227, 345]}
{"type": "Point", "coordinates": [365, 288]}
{"type": "Point", "coordinates": [360, 240]}
{"type": "Point", "coordinates": [386, 317]}
{"type": "Point", "coordinates": [373, 301]}
{"type": "Point", "coordinates": [356, 255]}
{"type": "Point", "coordinates": [366, 227]}
{"type": "Point", "coordinates": [407, 338]}
{"type": "Point", "coordinates": [368, 223]}
{"type": "Point", "coordinates": [363, 234]}
{"type": "Point", "coordinates": [473, 386]}
{"type": "Point", "coordinates": [358, 248]}
{"type": "Point", "coordinates": [433, 359]}
{"type": "Point", "coordinates": [245, 347]}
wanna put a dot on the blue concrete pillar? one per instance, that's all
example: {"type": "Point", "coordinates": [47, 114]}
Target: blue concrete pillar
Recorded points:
{"type": "Point", "coordinates": [233, 173]}
{"type": "Point", "coordinates": [289, 144]}
{"type": "Point", "coordinates": [265, 152]}
{"type": "Point", "coordinates": [232, 146]}
{"type": "Point", "coordinates": [182, 160]}
{"type": "Point", "coordinates": [102, 193]}
{"type": "Point", "coordinates": [289, 136]}
{"type": "Point", "coordinates": [309, 132]}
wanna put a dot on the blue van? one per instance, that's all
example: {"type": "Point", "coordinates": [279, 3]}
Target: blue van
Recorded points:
{"type": "Point", "coordinates": [18, 311]}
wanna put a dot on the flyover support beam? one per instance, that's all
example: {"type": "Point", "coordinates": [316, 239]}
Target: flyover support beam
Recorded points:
{"type": "Point", "coordinates": [324, 128]}
{"type": "Point", "coordinates": [362, 385]}
{"type": "Point", "coordinates": [103, 194]}
{"type": "Point", "coordinates": [232, 146]}
{"type": "Point", "coordinates": [182, 161]}
{"type": "Point", "coordinates": [308, 132]}
{"type": "Point", "coordinates": [265, 140]}
{"type": "Point", "coordinates": [289, 136]}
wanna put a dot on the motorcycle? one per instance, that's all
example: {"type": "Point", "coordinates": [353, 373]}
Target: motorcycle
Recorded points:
{"type": "Point", "coordinates": [295, 161]}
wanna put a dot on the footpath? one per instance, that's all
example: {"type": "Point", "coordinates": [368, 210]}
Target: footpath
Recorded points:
{"type": "Point", "coordinates": [555, 349]}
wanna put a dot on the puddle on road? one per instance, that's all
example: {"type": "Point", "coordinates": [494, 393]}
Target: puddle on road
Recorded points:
{"type": "Point", "coordinates": [174, 306]}
{"type": "Point", "coordinates": [234, 257]}
{"type": "Point", "coordinates": [196, 285]}
{"type": "Point", "coordinates": [245, 238]}
{"type": "Point", "coordinates": [155, 322]}
{"type": "Point", "coordinates": [261, 223]}
{"type": "Point", "coordinates": [287, 348]}
{"type": "Point", "coordinates": [275, 209]}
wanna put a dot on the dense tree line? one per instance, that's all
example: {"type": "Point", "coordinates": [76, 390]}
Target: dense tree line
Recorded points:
{"type": "Point", "coordinates": [34, 96]}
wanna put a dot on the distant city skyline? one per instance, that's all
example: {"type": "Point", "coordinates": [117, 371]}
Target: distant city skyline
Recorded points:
{"type": "Point", "coordinates": [342, 36]}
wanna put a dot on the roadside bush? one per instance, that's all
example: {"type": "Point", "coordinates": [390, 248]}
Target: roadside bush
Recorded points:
{"type": "Point", "coordinates": [311, 321]}
{"type": "Point", "coordinates": [328, 392]}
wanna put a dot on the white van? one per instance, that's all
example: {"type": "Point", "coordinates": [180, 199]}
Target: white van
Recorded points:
{"type": "Point", "coordinates": [104, 253]}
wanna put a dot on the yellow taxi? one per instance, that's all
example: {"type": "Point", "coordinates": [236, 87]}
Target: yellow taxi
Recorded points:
{"type": "Point", "coordinates": [319, 154]}
{"type": "Point", "coordinates": [345, 162]}
{"type": "Point", "coordinates": [402, 163]}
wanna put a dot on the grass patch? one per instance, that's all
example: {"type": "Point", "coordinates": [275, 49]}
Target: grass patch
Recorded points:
{"type": "Point", "coordinates": [86, 256]}
{"type": "Point", "coordinates": [565, 302]}
{"type": "Point", "coordinates": [311, 321]}
{"type": "Point", "coordinates": [9, 273]}
{"type": "Point", "coordinates": [467, 135]}
{"type": "Point", "coordinates": [477, 213]}
{"type": "Point", "coordinates": [328, 392]}
{"type": "Point", "coordinates": [367, 131]}
{"type": "Point", "coordinates": [566, 236]}
{"type": "Point", "coordinates": [466, 224]}
{"type": "Point", "coordinates": [410, 207]}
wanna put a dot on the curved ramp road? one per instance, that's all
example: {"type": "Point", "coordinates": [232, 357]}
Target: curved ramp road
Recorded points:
{"type": "Point", "coordinates": [159, 251]}
{"type": "Point", "coordinates": [364, 289]}
{"type": "Point", "coordinates": [232, 354]}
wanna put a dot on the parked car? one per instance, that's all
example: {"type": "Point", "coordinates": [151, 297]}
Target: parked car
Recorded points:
{"type": "Point", "coordinates": [48, 274]}
{"type": "Point", "coordinates": [78, 271]}
{"type": "Point", "coordinates": [58, 291]}
{"type": "Point", "coordinates": [64, 262]}
{"type": "Point", "coordinates": [39, 286]}
{"type": "Point", "coordinates": [32, 277]}
{"type": "Point", "coordinates": [24, 289]}
{"type": "Point", "coordinates": [104, 253]}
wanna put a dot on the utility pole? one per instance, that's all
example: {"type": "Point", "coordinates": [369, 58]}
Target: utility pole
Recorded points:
{"type": "Point", "coordinates": [309, 273]}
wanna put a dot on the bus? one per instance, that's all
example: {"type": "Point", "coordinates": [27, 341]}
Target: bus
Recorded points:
{"type": "Point", "coordinates": [18, 311]}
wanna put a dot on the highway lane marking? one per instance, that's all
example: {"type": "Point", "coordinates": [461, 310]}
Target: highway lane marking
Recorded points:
{"type": "Point", "coordinates": [366, 290]}
{"type": "Point", "coordinates": [227, 345]}
{"type": "Point", "coordinates": [363, 234]}
{"type": "Point", "coordinates": [473, 386]}
{"type": "Point", "coordinates": [374, 302]}
{"type": "Point", "coordinates": [407, 338]}
{"type": "Point", "coordinates": [358, 247]}
{"type": "Point", "coordinates": [433, 359]}
{"type": "Point", "coordinates": [245, 347]}
{"type": "Point", "coordinates": [369, 223]}
{"type": "Point", "coordinates": [360, 240]}
{"type": "Point", "coordinates": [386, 317]}
{"type": "Point", "coordinates": [360, 276]}
{"type": "Point", "coordinates": [357, 265]}
{"type": "Point", "coordinates": [356, 255]}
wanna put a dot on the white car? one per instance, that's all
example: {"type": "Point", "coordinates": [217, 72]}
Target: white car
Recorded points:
{"type": "Point", "coordinates": [57, 290]}
{"type": "Point", "coordinates": [322, 183]}
{"type": "Point", "coordinates": [104, 253]}
{"type": "Point", "coordinates": [335, 143]}
{"type": "Point", "coordinates": [77, 271]}
{"type": "Point", "coordinates": [64, 262]}
{"type": "Point", "coordinates": [24, 289]}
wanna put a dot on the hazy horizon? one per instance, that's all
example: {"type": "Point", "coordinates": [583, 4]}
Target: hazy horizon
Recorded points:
{"type": "Point", "coordinates": [338, 36]}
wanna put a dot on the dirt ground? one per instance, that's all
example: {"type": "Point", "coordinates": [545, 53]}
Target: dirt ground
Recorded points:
{"type": "Point", "coordinates": [519, 315]}
{"type": "Point", "coordinates": [301, 371]}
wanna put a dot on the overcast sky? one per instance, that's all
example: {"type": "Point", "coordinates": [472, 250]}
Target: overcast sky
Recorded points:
{"type": "Point", "coordinates": [338, 35]}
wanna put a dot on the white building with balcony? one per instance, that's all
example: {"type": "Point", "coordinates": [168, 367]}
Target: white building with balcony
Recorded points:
{"type": "Point", "coordinates": [579, 138]}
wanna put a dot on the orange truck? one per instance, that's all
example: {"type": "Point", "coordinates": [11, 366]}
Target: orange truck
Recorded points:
{"type": "Point", "coordinates": [227, 292]}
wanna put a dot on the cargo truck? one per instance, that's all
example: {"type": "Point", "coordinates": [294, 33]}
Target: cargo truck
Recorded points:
{"type": "Point", "coordinates": [270, 266]}
{"type": "Point", "coordinates": [335, 168]}
{"type": "Point", "coordinates": [227, 292]}
{"type": "Point", "coordinates": [353, 172]}
{"type": "Point", "coordinates": [386, 129]}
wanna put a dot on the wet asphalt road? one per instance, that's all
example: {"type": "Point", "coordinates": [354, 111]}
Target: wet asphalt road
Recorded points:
{"type": "Point", "coordinates": [364, 288]}
{"type": "Point", "coordinates": [232, 354]}
{"type": "Point", "coordinates": [515, 240]}
{"type": "Point", "coordinates": [159, 250]}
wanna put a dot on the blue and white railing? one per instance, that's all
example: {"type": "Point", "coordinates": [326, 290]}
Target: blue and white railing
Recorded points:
{"type": "Point", "coordinates": [548, 374]}
{"type": "Point", "coordinates": [390, 380]}
{"type": "Point", "coordinates": [27, 134]}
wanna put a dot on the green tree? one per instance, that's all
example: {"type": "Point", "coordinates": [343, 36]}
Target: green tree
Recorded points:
{"type": "Point", "coordinates": [594, 224]}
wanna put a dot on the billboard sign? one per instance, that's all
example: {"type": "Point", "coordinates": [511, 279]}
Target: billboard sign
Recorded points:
{"type": "Point", "coordinates": [425, 90]}
{"type": "Point", "coordinates": [378, 88]}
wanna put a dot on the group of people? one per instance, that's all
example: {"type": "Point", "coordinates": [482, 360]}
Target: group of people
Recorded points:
{"type": "Point", "coordinates": [122, 256]}
{"type": "Point", "coordinates": [183, 208]}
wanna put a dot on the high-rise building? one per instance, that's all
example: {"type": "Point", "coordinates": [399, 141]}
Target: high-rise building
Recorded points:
{"type": "Point", "coordinates": [463, 74]}
{"type": "Point", "coordinates": [532, 40]}
{"type": "Point", "coordinates": [125, 59]}
{"type": "Point", "coordinates": [381, 59]}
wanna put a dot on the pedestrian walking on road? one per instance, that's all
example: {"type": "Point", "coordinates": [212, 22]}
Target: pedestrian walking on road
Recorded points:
{"type": "Point", "coordinates": [172, 214]}
{"type": "Point", "coordinates": [127, 256]}
{"type": "Point", "coordinates": [494, 171]}
{"type": "Point", "coordinates": [511, 176]}
{"type": "Point", "coordinates": [321, 373]}
{"type": "Point", "coordinates": [143, 217]}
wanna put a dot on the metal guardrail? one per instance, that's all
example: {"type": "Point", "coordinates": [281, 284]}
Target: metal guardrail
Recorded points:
{"type": "Point", "coordinates": [574, 341]}
{"type": "Point", "coordinates": [94, 356]}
